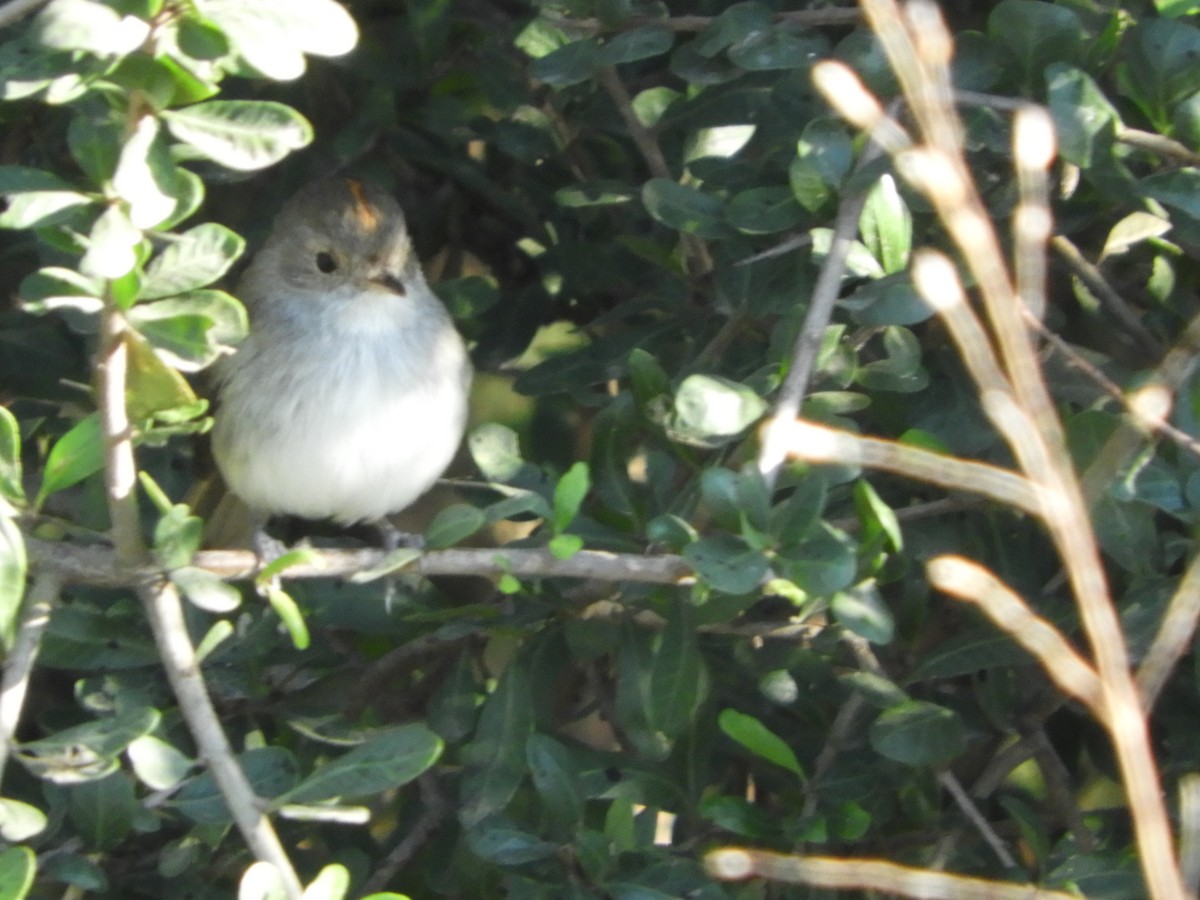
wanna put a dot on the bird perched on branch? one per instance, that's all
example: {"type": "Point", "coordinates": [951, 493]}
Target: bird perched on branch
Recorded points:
{"type": "Point", "coordinates": [348, 399]}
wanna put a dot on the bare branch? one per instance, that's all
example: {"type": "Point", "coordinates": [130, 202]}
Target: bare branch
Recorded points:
{"type": "Point", "coordinates": [734, 863]}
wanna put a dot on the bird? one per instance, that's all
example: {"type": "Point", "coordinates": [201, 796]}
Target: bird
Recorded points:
{"type": "Point", "coordinates": [347, 399]}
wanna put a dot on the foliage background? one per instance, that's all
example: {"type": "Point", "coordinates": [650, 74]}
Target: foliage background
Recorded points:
{"type": "Point", "coordinates": [625, 208]}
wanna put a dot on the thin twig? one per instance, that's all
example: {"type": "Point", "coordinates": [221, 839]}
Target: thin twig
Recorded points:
{"type": "Point", "coordinates": [1157, 424]}
{"type": "Point", "coordinates": [642, 137]}
{"type": "Point", "coordinates": [1174, 638]}
{"type": "Point", "coordinates": [955, 789]}
{"type": "Point", "coordinates": [825, 292]}
{"type": "Point", "coordinates": [1112, 302]}
{"type": "Point", "coordinates": [35, 616]}
{"type": "Point", "coordinates": [1189, 831]}
{"type": "Point", "coordinates": [1157, 143]}
{"type": "Point", "coordinates": [431, 817]}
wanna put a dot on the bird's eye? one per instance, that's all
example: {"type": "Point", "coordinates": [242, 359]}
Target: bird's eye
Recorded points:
{"type": "Point", "coordinates": [326, 263]}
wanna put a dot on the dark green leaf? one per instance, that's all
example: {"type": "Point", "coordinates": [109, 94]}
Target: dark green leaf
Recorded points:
{"type": "Point", "coordinates": [863, 611]}
{"type": "Point", "coordinates": [764, 210]}
{"type": "Point", "coordinates": [639, 43]}
{"type": "Point", "coordinates": [918, 733]}
{"type": "Point", "coordinates": [1035, 33]}
{"type": "Point", "coordinates": [727, 563]}
{"type": "Point", "coordinates": [270, 770]}
{"type": "Point", "coordinates": [495, 761]}
{"type": "Point", "coordinates": [556, 778]}
{"type": "Point", "coordinates": [103, 811]}
{"type": "Point", "coordinates": [454, 523]}
{"type": "Point", "coordinates": [685, 209]}
{"type": "Point", "coordinates": [384, 761]}
{"type": "Point", "coordinates": [569, 64]}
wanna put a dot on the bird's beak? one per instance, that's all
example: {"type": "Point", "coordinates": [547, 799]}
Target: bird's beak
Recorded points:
{"type": "Point", "coordinates": [388, 282]}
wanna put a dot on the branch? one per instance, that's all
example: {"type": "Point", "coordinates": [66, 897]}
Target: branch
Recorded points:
{"type": "Point", "coordinates": [735, 863]}
{"type": "Point", "coordinates": [683, 24]}
{"type": "Point", "coordinates": [970, 581]}
{"type": "Point", "coordinates": [96, 564]}
{"type": "Point", "coordinates": [808, 344]}
{"type": "Point", "coordinates": [821, 444]}
{"type": "Point", "coordinates": [163, 608]}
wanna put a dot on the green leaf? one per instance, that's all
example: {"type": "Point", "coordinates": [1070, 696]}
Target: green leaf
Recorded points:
{"type": "Point", "coordinates": [727, 563]}
{"type": "Point", "coordinates": [886, 226]}
{"type": "Point", "coordinates": [495, 759]}
{"type": "Point", "coordinates": [556, 779]}
{"type": "Point", "coordinates": [1036, 34]}
{"type": "Point", "coordinates": [384, 761]}
{"type": "Point", "coordinates": [331, 883]}
{"type": "Point", "coordinates": [734, 23]}
{"type": "Point", "coordinates": [863, 611]}
{"type": "Point", "coordinates": [569, 64]}
{"type": "Point", "coordinates": [823, 563]}
{"type": "Point", "coordinates": [758, 739]}
{"type": "Point", "coordinates": [240, 134]}
{"type": "Point", "coordinates": [145, 174]}
{"type": "Point", "coordinates": [777, 48]}
{"type": "Point", "coordinates": [499, 841]}
{"type": "Point", "coordinates": [194, 259]}
{"type": "Point", "coordinates": [496, 450]}
{"type": "Point", "coordinates": [569, 494]}
{"type": "Point", "coordinates": [191, 331]}
{"type": "Point", "coordinates": [454, 523]}
{"type": "Point", "coordinates": [102, 811]}
{"type": "Point", "coordinates": [685, 208]}
{"type": "Point", "coordinates": [157, 764]}
{"type": "Point", "coordinates": [764, 210]}
{"type": "Point", "coordinates": [877, 517]}
{"type": "Point", "coordinates": [154, 390]}
{"type": "Point", "coordinates": [918, 733]}
{"type": "Point", "coordinates": [54, 288]}
{"type": "Point", "coordinates": [1179, 189]}
{"type": "Point", "coordinates": [1084, 120]}
{"type": "Point", "coordinates": [13, 566]}
{"type": "Point", "coordinates": [1135, 228]}
{"type": "Point", "coordinates": [18, 865]}
{"type": "Point", "coordinates": [564, 546]}
{"type": "Point", "coordinates": [678, 677]}
{"type": "Point", "coordinates": [711, 411]}
{"type": "Point", "coordinates": [1159, 67]}
{"type": "Point", "coordinates": [262, 881]}
{"type": "Point", "coordinates": [289, 613]}
{"type": "Point", "coordinates": [891, 300]}
{"type": "Point", "coordinates": [18, 822]}
{"type": "Point", "coordinates": [34, 198]}
{"type": "Point", "coordinates": [638, 43]}
{"type": "Point", "coordinates": [206, 590]}
{"type": "Point", "coordinates": [74, 456]}
{"type": "Point", "coordinates": [90, 27]}
{"type": "Point", "coordinates": [87, 752]}
{"type": "Point", "coordinates": [271, 771]}
{"type": "Point", "coordinates": [273, 35]}
{"type": "Point", "coordinates": [111, 245]}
